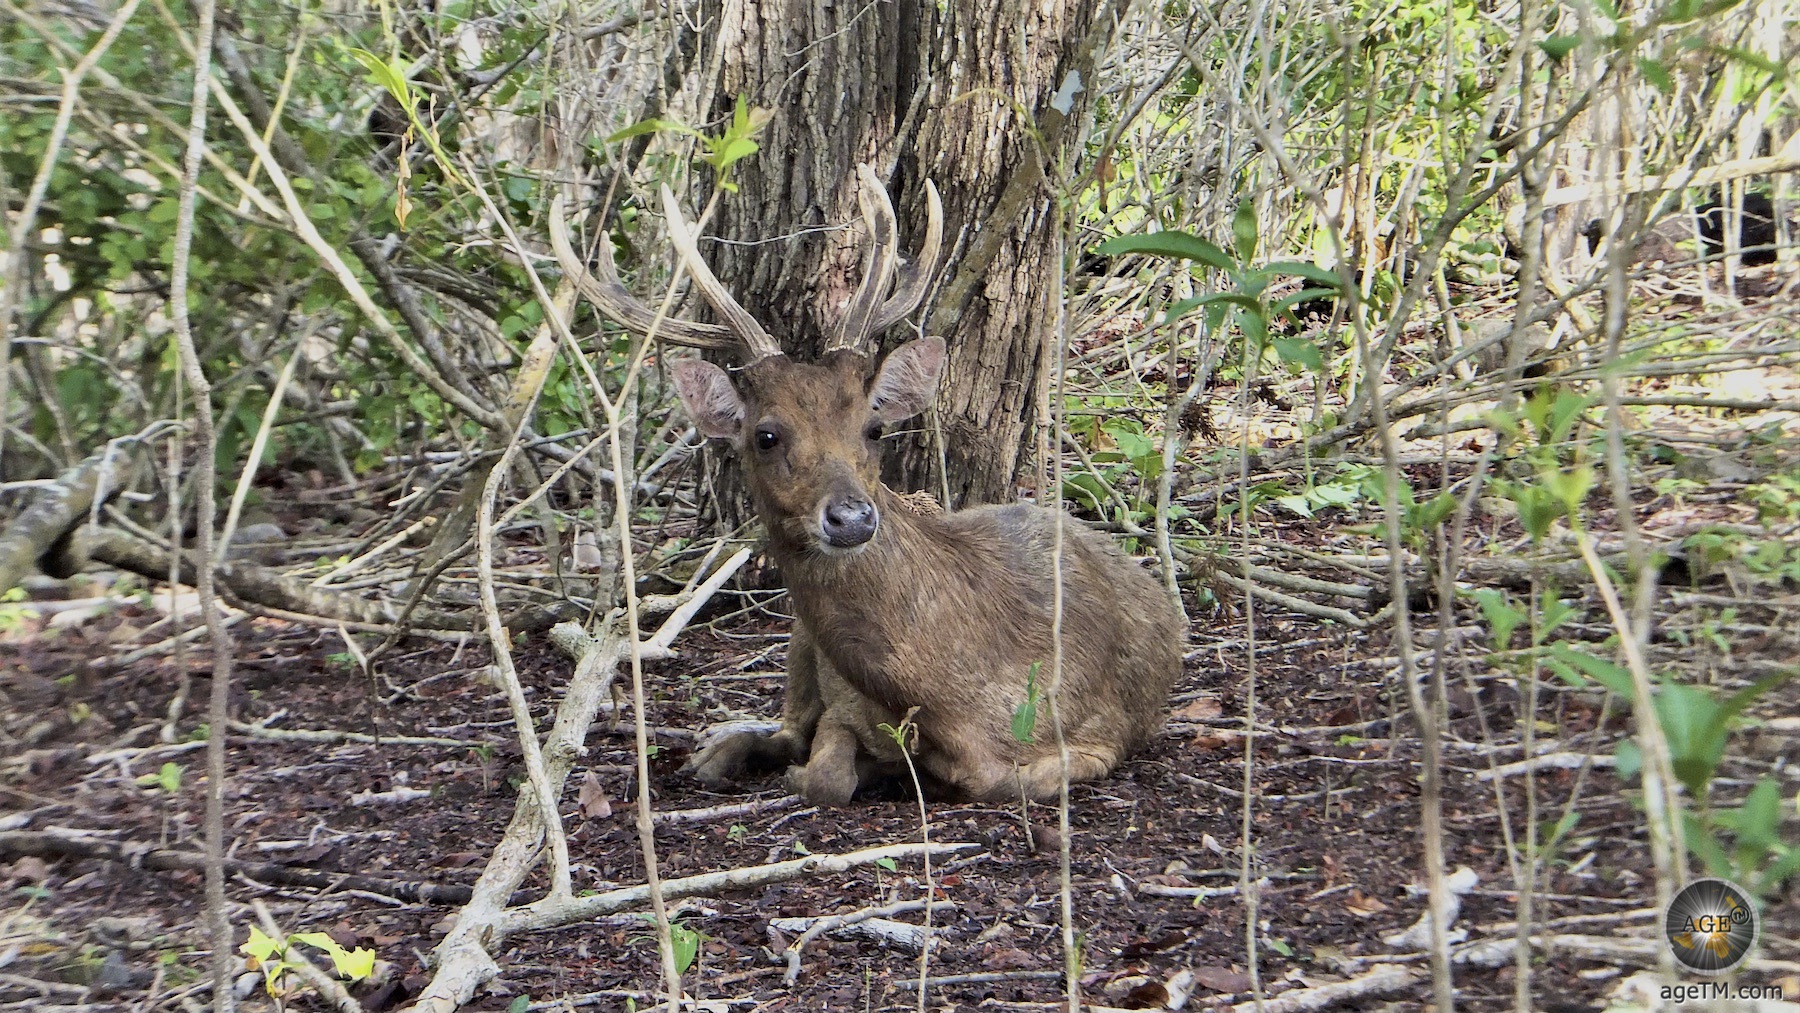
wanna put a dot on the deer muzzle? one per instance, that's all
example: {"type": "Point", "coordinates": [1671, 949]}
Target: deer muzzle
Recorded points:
{"type": "Point", "coordinates": [848, 520]}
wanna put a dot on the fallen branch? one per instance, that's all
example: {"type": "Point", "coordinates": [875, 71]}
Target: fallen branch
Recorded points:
{"type": "Point", "coordinates": [874, 922]}
{"type": "Point", "coordinates": [398, 795]}
{"type": "Point", "coordinates": [1190, 893]}
{"type": "Point", "coordinates": [983, 978]}
{"type": "Point", "coordinates": [52, 844]}
{"type": "Point", "coordinates": [551, 912]}
{"type": "Point", "coordinates": [463, 959]}
{"type": "Point", "coordinates": [332, 735]}
{"type": "Point", "coordinates": [1639, 951]}
{"type": "Point", "coordinates": [1548, 761]}
{"type": "Point", "coordinates": [242, 584]}
{"type": "Point", "coordinates": [725, 812]}
{"type": "Point", "coordinates": [59, 507]}
{"type": "Point", "coordinates": [1381, 979]}
{"type": "Point", "coordinates": [1293, 604]}
{"type": "Point", "coordinates": [1311, 585]}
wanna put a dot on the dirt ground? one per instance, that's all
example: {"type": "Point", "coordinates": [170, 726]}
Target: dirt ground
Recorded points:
{"type": "Point", "coordinates": [1336, 826]}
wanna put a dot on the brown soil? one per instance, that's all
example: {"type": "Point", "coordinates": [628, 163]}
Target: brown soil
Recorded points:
{"type": "Point", "coordinates": [1336, 828]}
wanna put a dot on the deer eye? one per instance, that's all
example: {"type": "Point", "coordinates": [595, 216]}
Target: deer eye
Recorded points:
{"type": "Point", "coordinates": [766, 439]}
{"type": "Point", "coordinates": [874, 431]}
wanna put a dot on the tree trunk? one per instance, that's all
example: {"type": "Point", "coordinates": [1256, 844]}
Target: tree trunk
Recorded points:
{"type": "Point", "coordinates": [919, 92]}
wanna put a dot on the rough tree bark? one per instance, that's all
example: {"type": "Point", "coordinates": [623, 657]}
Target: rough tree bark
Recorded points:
{"type": "Point", "coordinates": [919, 90]}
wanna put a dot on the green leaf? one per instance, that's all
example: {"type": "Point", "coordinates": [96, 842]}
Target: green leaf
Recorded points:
{"type": "Point", "coordinates": [1171, 243]}
{"type": "Point", "coordinates": [519, 1004]}
{"type": "Point", "coordinates": [733, 150]}
{"type": "Point", "coordinates": [1691, 722]}
{"type": "Point", "coordinates": [1628, 760]}
{"type": "Point", "coordinates": [1779, 872]}
{"type": "Point", "coordinates": [1243, 231]}
{"type": "Point", "coordinates": [1703, 844]}
{"type": "Point", "coordinates": [1502, 616]}
{"type": "Point", "coordinates": [1431, 513]}
{"type": "Point", "coordinates": [1559, 46]}
{"type": "Point", "coordinates": [1182, 308]}
{"type": "Point", "coordinates": [1130, 438]}
{"type": "Point", "coordinates": [652, 126]}
{"type": "Point", "coordinates": [1297, 502]}
{"type": "Point", "coordinates": [1554, 613]}
{"type": "Point", "coordinates": [1570, 486]}
{"type": "Point", "coordinates": [260, 945]}
{"type": "Point", "coordinates": [1760, 818]}
{"type": "Point", "coordinates": [318, 940]}
{"type": "Point", "coordinates": [888, 864]}
{"type": "Point", "coordinates": [1562, 828]}
{"type": "Point", "coordinates": [1538, 509]}
{"type": "Point", "coordinates": [1024, 719]}
{"type": "Point", "coordinates": [1311, 272]}
{"type": "Point", "coordinates": [1613, 677]}
{"type": "Point", "coordinates": [1336, 494]}
{"type": "Point", "coordinates": [1301, 352]}
{"type": "Point", "coordinates": [1756, 60]}
{"type": "Point", "coordinates": [389, 76]}
{"type": "Point", "coordinates": [1254, 324]}
{"type": "Point", "coordinates": [1655, 73]}
{"type": "Point", "coordinates": [1736, 702]}
{"type": "Point", "coordinates": [686, 944]}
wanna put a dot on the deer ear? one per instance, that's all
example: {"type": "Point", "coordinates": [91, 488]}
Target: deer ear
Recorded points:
{"type": "Point", "coordinates": [907, 380]}
{"type": "Point", "coordinates": [709, 397]}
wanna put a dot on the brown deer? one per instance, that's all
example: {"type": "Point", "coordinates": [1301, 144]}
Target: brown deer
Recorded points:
{"type": "Point", "coordinates": [942, 615]}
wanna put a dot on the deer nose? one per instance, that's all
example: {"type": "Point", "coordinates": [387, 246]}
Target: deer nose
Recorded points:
{"type": "Point", "coordinates": [848, 521]}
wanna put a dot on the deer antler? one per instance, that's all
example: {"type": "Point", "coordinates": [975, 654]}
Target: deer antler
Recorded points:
{"type": "Point", "coordinates": [857, 323]}
{"type": "Point", "coordinates": [915, 277]}
{"type": "Point", "coordinates": [872, 309]}
{"type": "Point", "coordinates": [756, 340]}
{"type": "Point", "coordinates": [610, 296]}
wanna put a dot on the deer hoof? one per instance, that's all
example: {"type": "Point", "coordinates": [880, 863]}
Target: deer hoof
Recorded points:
{"type": "Point", "coordinates": [822, 787]}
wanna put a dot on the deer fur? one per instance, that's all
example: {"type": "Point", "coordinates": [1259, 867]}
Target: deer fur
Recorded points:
{"type": "Point", "coordinates": [904, 613]}
{"type": "Point", "coordinates": [946, 613]}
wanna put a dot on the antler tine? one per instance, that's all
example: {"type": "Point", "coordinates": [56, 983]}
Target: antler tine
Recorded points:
{"type": "Point", "coordinates": [610, 296]}
{"type": "Point", "coordinates": [858, 322]}
{"type": "Point", "coordinates": [915, 278]}
{"type": "Point", "coordinates": [756, 341]}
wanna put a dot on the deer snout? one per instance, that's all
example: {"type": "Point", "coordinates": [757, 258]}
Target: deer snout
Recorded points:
{"type": "Point", "coordinates": [848, 521]}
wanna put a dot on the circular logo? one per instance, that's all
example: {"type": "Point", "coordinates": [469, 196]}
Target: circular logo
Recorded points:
{"type": "Point", "coordinates": [1710, 926]}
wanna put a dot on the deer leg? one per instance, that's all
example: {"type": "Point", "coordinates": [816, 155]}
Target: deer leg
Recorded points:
{"type": "Point", "coordinates": [729, 758]}
{"type": "Point", "coordinates": [831, 773]}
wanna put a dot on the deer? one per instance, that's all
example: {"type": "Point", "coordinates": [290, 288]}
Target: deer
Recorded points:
{"type": "Point", "coordinates": [935, 623]}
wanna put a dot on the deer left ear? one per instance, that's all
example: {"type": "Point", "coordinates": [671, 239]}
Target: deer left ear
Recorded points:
{"type": "Point", "coordinates": [907, 380]}
{"type": "Point", "coordinates": [711, 401]}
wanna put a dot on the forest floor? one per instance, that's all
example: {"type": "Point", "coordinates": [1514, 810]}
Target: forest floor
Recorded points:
{"type": "Point", "coordinates": [1336, 824]}
{"type": "Point", "coordinates": [1156, 849]}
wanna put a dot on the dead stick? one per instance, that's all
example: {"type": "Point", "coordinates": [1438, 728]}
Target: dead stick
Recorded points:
{"type": "Point", "coordinates": [43, 844]}
{"type": "Point", "coordinates": [551, 912]}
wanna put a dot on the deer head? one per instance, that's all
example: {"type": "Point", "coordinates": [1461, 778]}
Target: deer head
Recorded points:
{"type": "Point", "coordinates": [806, 433]}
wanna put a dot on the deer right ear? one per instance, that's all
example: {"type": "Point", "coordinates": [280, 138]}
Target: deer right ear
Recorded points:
{"type": "Point", "coordinates": [711, 401]}
{"type": "Point", "coordinates": [907, 380]}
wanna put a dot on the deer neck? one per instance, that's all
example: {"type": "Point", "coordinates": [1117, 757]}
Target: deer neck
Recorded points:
{"type": "Point", "coordinates": [883, 569]}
